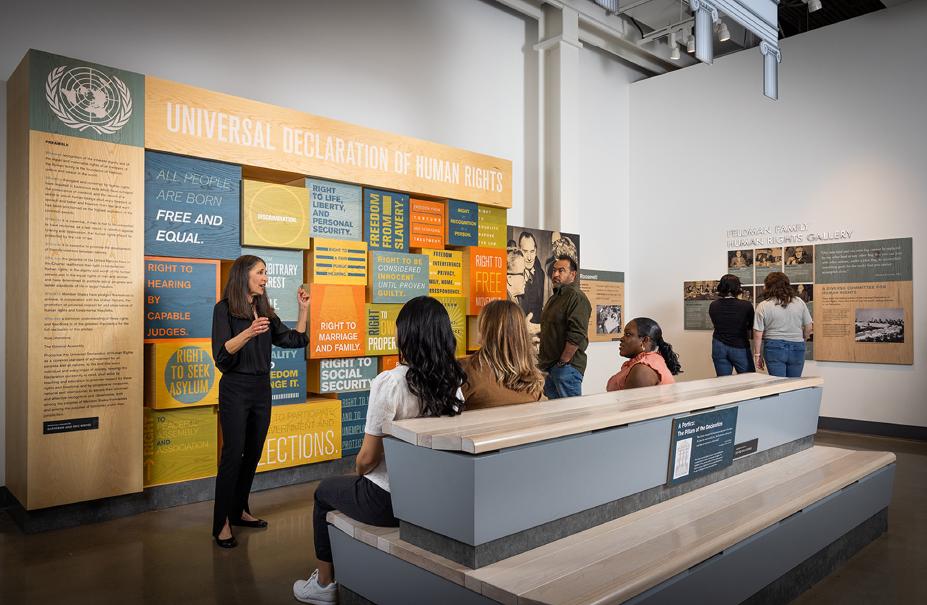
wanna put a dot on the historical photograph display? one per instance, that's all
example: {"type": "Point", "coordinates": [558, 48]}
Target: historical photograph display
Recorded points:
{"type": "Point", "coordinates": [740, 263]}
{"type": "Point", "coordinates": [697, 297]}
{"type": "Point", "coordinates": [605, 291]}
{"type": "Point", "coordinates": [538, 249]}
{"type": "Point", "coordinates": [799, 263]}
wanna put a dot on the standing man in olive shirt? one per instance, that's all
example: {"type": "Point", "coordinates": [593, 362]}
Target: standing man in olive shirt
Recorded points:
{"type": "Point", "coordinates": [564, 337]}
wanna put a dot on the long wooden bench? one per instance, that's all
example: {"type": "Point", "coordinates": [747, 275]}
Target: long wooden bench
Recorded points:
{"type": "Point", "coordinates": [733, 537]}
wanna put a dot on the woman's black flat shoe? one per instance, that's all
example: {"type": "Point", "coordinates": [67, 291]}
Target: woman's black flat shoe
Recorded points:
{"type": "Point", "coordinates": [227, 542]}
{"type": "Point", "coordinates": [256, 524]}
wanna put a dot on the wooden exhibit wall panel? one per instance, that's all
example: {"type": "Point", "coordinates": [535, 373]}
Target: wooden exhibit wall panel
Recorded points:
{"type": "Point", "coordinates": [605, 291]}
{"type": "Point", "coordinates": [85, 272]}
{"type": "Point", "coordinates": [192, 207]}
{"type": "Point", "coordinates": [341, 262]}
{"type": "Point", "coordinates": [864, 302]}
{"type": "Point", "coordinates": [193, 121]}
{"type": "Point", "coordinates": [397, 277]}
{"type": "Point", "coordinates": [302, 434]}
{"type": "Point", "coordinates": [180, 445]}
{"type": "Point", "coordinates": [445, 273]}
{"type": "Point", "coordinates": [484, 273]}
{"type": "Point", "coordinates": [353, 420]}
{"type": "Point", "coordinates": [180, 295]}
{"type": "Point", "coordinates": [336, 321]}
{"type": "Point", "coordinates": [336, 210]}
{"type": "Point", "coordinates": [427, 224]}
{"type": "Point", "coordinates": [341, 375]}
{"type": "Point", "coordinates": [274, 216]}
{"type": "Point", "coordinates": [284, 270]}
{"type": "Point", "coordinates": [180, 374]}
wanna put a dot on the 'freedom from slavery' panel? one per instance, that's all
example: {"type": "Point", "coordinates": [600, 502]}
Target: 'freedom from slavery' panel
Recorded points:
{"type": "Point", "coordinates": [274, 216]}
{"type": "Point", "coordinates": [302, 434]}
{"type": "Point", "coordinates": [462, 223]}
{"type": "Point", "coordinates": [336, 321]}
{"type": "Point", "coordinates": [179, 445]}
{"type": "Point", "coordinates": [341, 375]}
{"type": "Point", "coordinates": [179, 297]}
{"type": "Point", "coordinates": [484, 274]}
{"type": "Point", "coordinates": [426, 224]}
{"type": "Point", "coordinates": [386, 222]}
{"type": "Point", "coordinates": [333, 261]}
{"type": "Point", "coordinates": [396, 277]}
{"type": "Point", "coordinates": [192, 207]}
{"type": "Point", "coordinates": [284, 277]}
{"type": "Point", "coordinates": [353, 420]}
{"type": "Point", "coordinates": [336, 210]}
{"type": "Point", "coordinates": [381, 329]}
{"type": "Point", "coordinates": [180, 374]}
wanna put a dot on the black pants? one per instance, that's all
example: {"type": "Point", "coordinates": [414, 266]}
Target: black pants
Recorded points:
{"type": "Point", "coordinates": [244, 414]}
{"type": "Point", "coordinates": [357, 497]}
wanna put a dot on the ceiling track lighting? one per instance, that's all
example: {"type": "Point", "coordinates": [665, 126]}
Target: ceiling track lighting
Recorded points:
{"type": "Point", "coordinates": [674, 47]}
{"type": "Point", "coordinates": [690, 42]}
{"type": "Point", "coordinates": [724, 33]}
{"type": "Point", "coordinates": [813, 5]}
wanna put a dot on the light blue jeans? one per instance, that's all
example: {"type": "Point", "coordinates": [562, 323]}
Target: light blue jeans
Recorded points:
{"type": "Point", "coordinates": [563, 382]}
{"type": "Point", "coordinates": [784, 357]}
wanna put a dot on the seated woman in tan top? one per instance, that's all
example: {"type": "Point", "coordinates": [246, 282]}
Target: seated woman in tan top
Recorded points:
{"type": "Point", "coordinates": [503, 371]}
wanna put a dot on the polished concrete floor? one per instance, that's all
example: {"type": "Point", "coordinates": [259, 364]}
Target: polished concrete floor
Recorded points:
{"type": "Point", "coordinates": [168, 557]}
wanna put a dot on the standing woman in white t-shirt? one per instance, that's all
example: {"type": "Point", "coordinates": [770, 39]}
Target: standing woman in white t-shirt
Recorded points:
{"type": "Point", "coordinates": [781, 326]}
{"type": "Point", "coordinates": [426, 382]}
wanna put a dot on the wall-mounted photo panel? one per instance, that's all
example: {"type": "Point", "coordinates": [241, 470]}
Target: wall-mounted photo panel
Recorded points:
{"type": "Point", "coordinates": [766, 261]}
{"type": "Point", "coordinates": [336, 210]}
{"type": "Point", "coordinates": [445, 272]}
{"type": "Point", "coordinates": [287, 374]}
{"type": "Point", "coordinates": [740, 263]}
{"type": "Point", "coordinates": [353, 420]}
{"type": "Point", "coordinates": [333, 261]}
{"type": "Point", "coordinates": [799, 263]}
{"type": "Point", "coordinates": [605, 291]}
{"type": "Point", "coordinates": [457, 310]}
{"type": "Point", "coordinates": [304, 433]}
{"type": "Point", "coordinates": [492, 226]}
{"type": "Point", "coordinates": [697, 297]}
{"type": "Point", "coordinates": [341, 375]}
{"type": "Point", "coordinates": [274, 216]}
{"type": "Point", "coordinates": [427, 223]}
{"type": "Point", "coordinates": [864, 302]}
{"type": "Point", "coordinates": [536, 249]}
{"type": "Point", "coordinates": [336, 321]}
{"type": "Point", "coordinates": [396, 277]}
{"type": "Point", "coordinates": [180, 295]}
{"type": "Point", "coordinates": [192, 207]}
{"type": "Point", "coordinates": [381, 329]}
{"type": "Point", "coordinates": [386, 220]}
{"type": "Point", "coordinates": [179, 445]}
{"type": "Point", "coordinates": [284, 277]}
{"type": "Point", "coordinates": [462, 223]}
{"type": "Point", "coordinates": [180, 374]}
{"type": "Point", "coordinates": [484, 275]}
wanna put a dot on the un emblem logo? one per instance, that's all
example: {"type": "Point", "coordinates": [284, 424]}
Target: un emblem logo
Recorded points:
{"type": "Point", "coordinates": [84, 97]}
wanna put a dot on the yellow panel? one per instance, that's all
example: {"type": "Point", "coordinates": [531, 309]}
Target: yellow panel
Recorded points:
{"type": "Point", "coordinates": [180, 445]}
{"type": "Point", "coordinates": [445, 272]}
{"type": "Point", "coordinates": [457, 310]}
{"type": "Point", "coordinates": [180, 374]}
{"type": "Point", "coordinates": [302, 433]}
{"type": "Point", "coordinates": [491, 227]}
{"type": "Point", "coordinates": [338, 262]}
{"type": "Point", "coordinates": [274, 216]}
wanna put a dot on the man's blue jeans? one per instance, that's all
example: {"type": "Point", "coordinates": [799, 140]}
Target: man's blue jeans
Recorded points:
{"type": "Point", "coordinates": [563, 382]}
{"type": "Point", "coordinates": [784, 357]}
{"type": "Point", "coordinates": [727, 358]}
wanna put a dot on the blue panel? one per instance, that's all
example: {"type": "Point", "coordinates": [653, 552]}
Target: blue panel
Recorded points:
{"type": "Point", "coordinates": [284, 277]}
{"type": "Point", "coordinates": [462, 223]}
{"type": "Point", "coordinates": [179, 299]}
{"type": "Point", "coordinates": [386, 220]}
{"type": "Point", "coordinates": [287, 374]}
{"type": "Point", "coordinates": [335, 210]}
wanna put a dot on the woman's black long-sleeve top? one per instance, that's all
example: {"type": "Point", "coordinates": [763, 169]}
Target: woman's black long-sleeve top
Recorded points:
{"type": "Point", "coordinates": [254, 357]}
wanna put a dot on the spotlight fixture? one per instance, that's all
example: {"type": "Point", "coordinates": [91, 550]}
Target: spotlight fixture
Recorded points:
{"type": "Point", "coordinates": [690, 43]}
{"type": "Point", "coordinates": [814, 5]}
{"type": "Point", "coordinates": [723, 33]}
{"type": "Point", "coordinates": [674, 48]}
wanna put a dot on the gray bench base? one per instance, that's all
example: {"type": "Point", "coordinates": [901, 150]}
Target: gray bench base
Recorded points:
{"type": "Point", "coordinates": [772, 566]}
{"type": "Point", "coordinates": [523, 541]}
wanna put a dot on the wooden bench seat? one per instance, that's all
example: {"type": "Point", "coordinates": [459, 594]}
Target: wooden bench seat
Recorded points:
{"type": "Point", "coordinates": [621, 559]}
{"type": "Point", "coordinates": [492, 429]}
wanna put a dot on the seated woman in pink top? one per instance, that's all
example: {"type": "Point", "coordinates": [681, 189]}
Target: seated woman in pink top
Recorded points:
{"type": "Point", "coordinates": [651, 360]}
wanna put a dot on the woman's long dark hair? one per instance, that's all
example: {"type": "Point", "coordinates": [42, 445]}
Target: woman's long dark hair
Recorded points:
{"type": "Point", "coordinates": [427, 346]}
{"type": "Point", "coordinates": [651, 329]}
{"type": "Point", "coordinates": [237, 294]}
{"type": "Point", "coordinates": [729, 285]}
{"type": "Point", "coordinates": [777, 285]}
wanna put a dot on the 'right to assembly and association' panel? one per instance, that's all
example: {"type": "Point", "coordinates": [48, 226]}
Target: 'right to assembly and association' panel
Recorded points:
{"type": "Point", "coordinates": [864, 302]}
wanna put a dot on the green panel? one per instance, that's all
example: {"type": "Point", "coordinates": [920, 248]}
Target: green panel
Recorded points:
{"type": "Point", "coordinates": [81, 99]}
{"type": "Point", "coordinates": [596, 275]}
{"type": "Point", "coordinates": [882, 260]}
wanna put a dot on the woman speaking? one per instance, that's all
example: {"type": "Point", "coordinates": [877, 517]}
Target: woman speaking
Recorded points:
{"type": "Point", "coordinates": [244, 326]}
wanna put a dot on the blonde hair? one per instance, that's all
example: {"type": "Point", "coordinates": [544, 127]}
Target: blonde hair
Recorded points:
{"type": "Point", "coordinates": [505, 347]}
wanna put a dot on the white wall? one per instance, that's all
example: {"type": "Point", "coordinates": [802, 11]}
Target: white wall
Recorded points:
{"type": "Point", "coordinates": [842, 148]}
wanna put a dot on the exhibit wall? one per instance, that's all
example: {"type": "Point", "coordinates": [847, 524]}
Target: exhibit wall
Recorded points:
{"type": "Point", "coordinates": [839, 155]}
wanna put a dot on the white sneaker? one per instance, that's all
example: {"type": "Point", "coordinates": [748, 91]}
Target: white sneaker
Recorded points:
{"type": "Point", "coordinates": [309, 591]}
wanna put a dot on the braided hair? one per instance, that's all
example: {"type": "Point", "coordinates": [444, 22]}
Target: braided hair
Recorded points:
{"type": "Point", "coordinates": [651, 329]}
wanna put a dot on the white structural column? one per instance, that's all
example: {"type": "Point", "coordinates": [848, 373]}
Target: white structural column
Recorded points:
{"type": "Point", "coordinates": [560, 44]}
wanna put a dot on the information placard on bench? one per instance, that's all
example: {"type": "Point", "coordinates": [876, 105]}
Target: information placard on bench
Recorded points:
{"type": "Point", "coordinates": [701, 444]}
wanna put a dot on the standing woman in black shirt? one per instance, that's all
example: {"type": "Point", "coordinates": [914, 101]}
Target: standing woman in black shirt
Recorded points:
{"type": "Point", "coordinates": [244, 326]}
{"type": "Point", "coordinates": [733, 320]}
